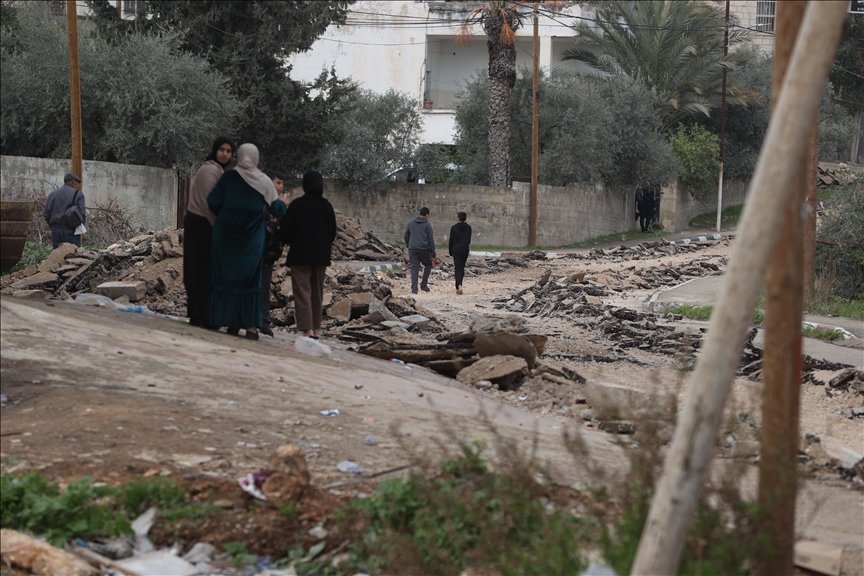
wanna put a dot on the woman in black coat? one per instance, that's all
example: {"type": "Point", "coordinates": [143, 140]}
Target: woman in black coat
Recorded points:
{"type": "Point", "coordinates": [309, 227]}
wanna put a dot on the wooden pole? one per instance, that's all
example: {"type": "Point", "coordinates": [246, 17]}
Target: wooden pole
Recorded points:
{"type": "Point", "coordinates": [119, 9]}
{"type": "Point", "coordinates": [74, 86]}
{"type": "Point", "coordinates": [687, 462]}
{"type": "Point", "coordinates": [722, 121]}
{"type": "Point", "coordinates": [535, 132]}
{"type": "Point", "coordinates": [778, 461]}
{"type": "Point", "coordinates": [810, 227]}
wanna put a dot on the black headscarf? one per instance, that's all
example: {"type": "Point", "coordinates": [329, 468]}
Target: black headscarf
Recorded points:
{"type": "Point", "coordinates": [313, 183]}
{"type": "Point", "coordinates": [218, 144]}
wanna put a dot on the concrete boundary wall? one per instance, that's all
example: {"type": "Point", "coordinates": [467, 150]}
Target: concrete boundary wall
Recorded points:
{"type": "Point", "coordinates": [499, 216]}
{"type": "Point", "coordinates": [150, 194]}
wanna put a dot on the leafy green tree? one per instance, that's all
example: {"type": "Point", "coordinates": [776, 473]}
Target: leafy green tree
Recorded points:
{"type": "Point", "coordinates": [698, 150]}
{"type": "Point", "coordinates": [144, 100]}
{"type": "Point", "coordinates": [837, 128]}
{"type": "Point", "coordinates": [847, 75]}
{"type": "Point", "coordinates": [675, 49]}
{"type": "Point", "coordinates": [382, 138]}
{"type": "Point", "coordinates": [591, 130]}
{"type": "Point", "coordinates": [249, 42]}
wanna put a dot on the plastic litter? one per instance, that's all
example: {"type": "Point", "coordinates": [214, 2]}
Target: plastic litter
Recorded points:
{"type": "Point", "coordinates": [397, 361]}
{"type": "Point", "coordinates": [318, 532]}
{"type": "Point", "coordinates": [141, 527]}
{"type": "Point", "coordinates": [200, 552]}
{"type": "Point", "coordinates": [158, 563]}
{"type": "Point", "coordinates": [3, 398]}
{"type": "Point", "coordinates": [595, 569]}
{"type": "Point", "coordinates": [330, 412]}
{"type": "Point", "coordinates": [99, 301]}
{"type": "Point", "coordinates": [252, 482]}
{"type": "Point", "coordinates": [349, 467]}
{"type": "Point", "coordinates": [523, 398]}
{"type": "Point", "coordinates": [312, 347]}
{"type": "Point", "coordinates": [370, 440]}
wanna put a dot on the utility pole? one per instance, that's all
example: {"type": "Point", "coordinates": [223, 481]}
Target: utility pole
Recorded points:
{"type": "Point", "coordinates": [119, 9]}
{"type": "Point", "coordinates": [784, 305]}
{"type": "Point", "coordinates": [723, 120]}
{"type": "Point", "coordinates": [689, 456]}
{"type": "Point", "coordinates": [74, 86]}
{"type": "Point", "coordinates": [535, 132]}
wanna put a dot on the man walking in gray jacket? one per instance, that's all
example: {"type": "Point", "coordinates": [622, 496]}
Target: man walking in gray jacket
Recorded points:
{"type": "Point", "coordinates": [421, 248]}
{"type": "Point", "coordinates": [63, 208]}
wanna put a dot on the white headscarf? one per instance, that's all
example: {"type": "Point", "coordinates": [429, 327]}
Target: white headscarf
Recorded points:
{"type": "Point", "coordinates": [247, 167]}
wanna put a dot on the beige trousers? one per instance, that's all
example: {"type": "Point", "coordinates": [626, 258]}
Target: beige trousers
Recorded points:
{"type": "Point", "coordinates": [307, 282]}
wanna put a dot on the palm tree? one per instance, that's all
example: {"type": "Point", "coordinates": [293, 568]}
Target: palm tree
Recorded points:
{"type": "Point", "coordinates": [674, 48]}
{"type": "Point", "coordinates": [500, 20]}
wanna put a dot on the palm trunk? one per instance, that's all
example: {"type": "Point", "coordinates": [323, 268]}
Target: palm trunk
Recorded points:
{"type": "Point", "coordinates": [502, 77]}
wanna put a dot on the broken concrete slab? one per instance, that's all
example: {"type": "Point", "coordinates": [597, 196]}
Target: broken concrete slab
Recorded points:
{"type": "Point", "coordinates": [133, 290]}
{"type": "Point", "coordinates": [31, 294]}
{"type": "Point", "coordinates": [506, 344]}
{"type": "Point", "coordinates": [376, 306]}
{"type": "Point", "coordinates": [417, 320]}
{"type": "Point", "coordinates": [57, 257]}
{"type": "Point", "coordinates": [341, 310]}
{"type": "Point", "coordinates": [506, 371]}
{"type": "Point", "coordinates": [819, 557]}
{"type": "Point", "coordinates": [38, 279]}
{"type": "Point", "coordinates": [395, 324]}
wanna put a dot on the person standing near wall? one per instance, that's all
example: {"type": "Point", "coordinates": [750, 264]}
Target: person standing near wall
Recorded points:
{"type": "Point", "coordinates": [460, 246]}
{"type": "Point", "coordinates": [198, 230]}
{"type": "Point", "coordinates": [65, 210]}
{"type": "Point", "coordinates": [239, 199]}
{"type": "Point", "coordinates": [309, 227]}
{"type": "Point", "coordinates": [421, 248]}
{"type": "Point", "coordinates": [272, 252]}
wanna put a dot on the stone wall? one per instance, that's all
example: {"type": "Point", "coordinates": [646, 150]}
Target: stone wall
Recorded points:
{"type": "Point", "coordinates": [150, 194]}
{"type": "Point", "coordinates": [678, 207]}
{"type": "Point", "coordinates": [498, 216]}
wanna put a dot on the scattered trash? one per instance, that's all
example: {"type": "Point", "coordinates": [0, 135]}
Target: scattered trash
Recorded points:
{"type": "Point", "coordinates": [370, 440]}
{"type": "Point", "coordinates": [200, 552]}
{"type": "Point", "coordinates": [318, 532]}
{"type": "Point", "coordinates": [3, 399]}
{"type": "Point", "coordinates": [252, 483]}
{"type": "Point", "coordinates": [523, 398]}
{"type": "Point", "coordinates": [595, 569]}
{"type": "Point", "coordinates": [330, 412]}
{"type": "Point", "coordinates": [358, 386]}
{"type": "Point", "coordinates": [349, 467]}
{"type": "Point", "coordinates": [312, 347]}
{"type": "Point", "coordinates": [158, 562]}
{"type": "Point", "coordinates": [397, 361]}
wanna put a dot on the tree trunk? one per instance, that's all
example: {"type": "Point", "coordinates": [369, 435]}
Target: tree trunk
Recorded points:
{"type": "Point", "coordinates": [502, 77]}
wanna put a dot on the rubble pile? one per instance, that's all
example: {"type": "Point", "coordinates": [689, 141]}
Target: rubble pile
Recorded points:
{"type": "Point", "coordinates": [643, 251]}
{"type": "Point", "coordinates": [825, 177]}
{"type": "Point", "coordinates": [355, 243]}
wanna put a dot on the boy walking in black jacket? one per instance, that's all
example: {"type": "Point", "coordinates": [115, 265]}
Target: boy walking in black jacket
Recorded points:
{"type": "Point", "coordinates": [460, 245]}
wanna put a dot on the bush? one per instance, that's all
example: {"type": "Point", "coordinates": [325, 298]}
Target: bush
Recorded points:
{"type": "Point", "coordinates": [840, 250]}
{"type": "Point", "coordinates": [698, 152]}
{"type": "Point", "coordinates": [837, 128]}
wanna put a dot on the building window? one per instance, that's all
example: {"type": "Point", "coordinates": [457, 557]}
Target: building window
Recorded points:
{"type": "Point", "coordinates": [765, 12]}
{"type": "Point", "coordinates": [132, 7]}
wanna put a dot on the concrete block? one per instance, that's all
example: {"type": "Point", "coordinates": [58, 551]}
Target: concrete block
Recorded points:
{"type": "Point", "coordinates": [415, 320]}
{"type": "Point", "coordinates": [40, 278]}
{"type": "Point", "coordinates": [341, 310]}
{"type": "Point", "coordinates": [57, 257]}
{"type": "Point", "coordinates": [133, 290]}
{"type": "Point", "coordinates": [819, 557]}
{"type": "Point", "coordinates": [31, 294]}
{"type": "Point", "coordinates": [624, 401]}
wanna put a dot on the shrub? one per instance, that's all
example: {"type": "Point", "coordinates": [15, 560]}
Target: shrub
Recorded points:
{"type": "Point", "coordinates": [840, 247]}
{"type": "Point", "coordinates": [697, 150]}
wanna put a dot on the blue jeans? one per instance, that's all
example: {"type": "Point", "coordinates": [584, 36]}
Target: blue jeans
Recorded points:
{"type": "Point", "coordinates": [61, 235]}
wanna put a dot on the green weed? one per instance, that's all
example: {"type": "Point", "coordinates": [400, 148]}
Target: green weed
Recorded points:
{"type": "Point", "coordinates": [692, 312]}
{"type": "Point", "coordinates": [29, 502]}
{"type": "Point", "coordinates": [238, 554]}
{"type": "Point", "coordinates": [837, 307]}
{"type": "Point", "coordinates": [289, 509]}
{"type": "Point", "coordinates": [33, 255]}
{"type": "Point", "coordinates": [728, 219]}
{"type": "Point", "coordinates": [829, 334]}
{"type": "Point", "coordinates": [466, 516]}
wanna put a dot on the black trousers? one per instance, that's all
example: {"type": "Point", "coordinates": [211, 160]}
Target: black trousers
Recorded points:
{"type": "Point", "coordinates": [459, 261]}
{"type": "Point", "coordinates": [644, 221]}
{"type": "Point", "coordinates": [197, 242]}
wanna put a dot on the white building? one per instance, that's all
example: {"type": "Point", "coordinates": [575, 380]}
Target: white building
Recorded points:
{"type": "Point", "coordinates": [410, 46]}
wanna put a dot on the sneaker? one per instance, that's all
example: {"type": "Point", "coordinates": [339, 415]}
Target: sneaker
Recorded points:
{"type": "Point", "coordinates": [425, 289]}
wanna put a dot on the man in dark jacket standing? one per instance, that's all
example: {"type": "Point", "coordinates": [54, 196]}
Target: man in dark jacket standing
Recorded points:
{"type": "Point", "coordinates": [309, 226]}
{"type": "Point", "coordinates": [68, 200]}
{"type": "Point", "coordinates": [460, 245]}
{"type": "Point", "coordinates": [421, 248]}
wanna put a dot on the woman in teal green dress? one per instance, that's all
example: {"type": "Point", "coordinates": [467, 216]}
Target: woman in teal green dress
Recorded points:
{"type": "Point", "coordinates": [239, 199]}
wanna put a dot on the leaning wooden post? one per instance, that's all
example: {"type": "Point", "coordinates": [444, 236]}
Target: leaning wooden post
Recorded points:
{"type": "Point", "coordinates": [695, 435]}
{"type": "Point", "coordinates": [784, 305]}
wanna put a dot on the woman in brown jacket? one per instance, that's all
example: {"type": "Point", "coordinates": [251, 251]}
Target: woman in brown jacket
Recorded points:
{"type": "Point", "coordinates": [198, 230]}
